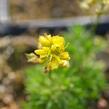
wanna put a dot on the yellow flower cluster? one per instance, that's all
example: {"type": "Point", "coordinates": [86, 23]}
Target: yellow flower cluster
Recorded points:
{"type": "Point", "coordinates": [51, 52]}
{"type": "Point", "coordinates": [106, 2]}
{"type": "Point", "coordinates": [95, 5]}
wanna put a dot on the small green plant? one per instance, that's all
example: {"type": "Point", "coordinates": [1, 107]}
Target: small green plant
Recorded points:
{"type": "Point", "coordinates": [73, 87]}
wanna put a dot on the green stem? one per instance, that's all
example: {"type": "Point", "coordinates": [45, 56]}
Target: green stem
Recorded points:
{"type": "Point", "coordinates": [98, 18]}
{"type": "Point", "coordinates": [50, 75]}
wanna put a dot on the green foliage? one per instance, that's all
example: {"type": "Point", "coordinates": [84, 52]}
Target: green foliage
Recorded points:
{"type": "Point", "coordinates": [68, 88]}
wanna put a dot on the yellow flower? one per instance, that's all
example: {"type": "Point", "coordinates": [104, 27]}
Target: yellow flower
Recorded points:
{"type": "Point", "coordinates": [87, 3]}
{"type": "Point", "coordinates": [45, 41]}
{"type": "Point", "coordinates": [51, 52]}
{"type": "Point", "coordinates": [106, 2]}
{"type": "Point", "coordinates": [95, 6]}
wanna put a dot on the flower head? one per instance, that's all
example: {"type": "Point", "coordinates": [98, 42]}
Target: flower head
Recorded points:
{"type": "Point", "coordinates": [95, 6]}
{"type": "Point", "coordinates": [51, 52]}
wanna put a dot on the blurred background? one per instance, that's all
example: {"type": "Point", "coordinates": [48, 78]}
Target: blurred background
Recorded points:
{"type": "Point", "coordinates": [21, 22]}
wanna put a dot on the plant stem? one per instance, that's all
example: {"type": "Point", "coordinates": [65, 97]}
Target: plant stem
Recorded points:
{"type": "Point", "coordinates": [98, 15]}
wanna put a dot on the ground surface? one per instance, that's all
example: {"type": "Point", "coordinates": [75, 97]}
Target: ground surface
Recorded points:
{"type": "Point", "coordinates": [43, 9]}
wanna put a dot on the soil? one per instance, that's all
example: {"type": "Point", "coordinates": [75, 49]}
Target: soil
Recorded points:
{"type": "Point", "coordinates": [11, 73]}
{"type": "Point", "coordinates": [43, 9]}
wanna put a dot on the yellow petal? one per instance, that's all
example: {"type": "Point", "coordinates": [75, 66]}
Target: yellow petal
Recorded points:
{"type": "Point", "coordinates": [45, 40]}
{"type": "Point", "coordinates": [64, 63]}
{"type": "Point", "coordinates": [42, 60]}
{"type": "Point", "coordinates": [43, 52]}
{"type": "Point", "coordinates": [56, 57]}
{"type": "Point", "coordinates": [32, 58]}
{"type": "Point", "coordinates": [55, 49]}
{"type": "Point", "coordinates": [52, 65]}
{"type": "Point", "coordinates": [57, 40]}
{"type": "Point", "coordinates": [64, 56]}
